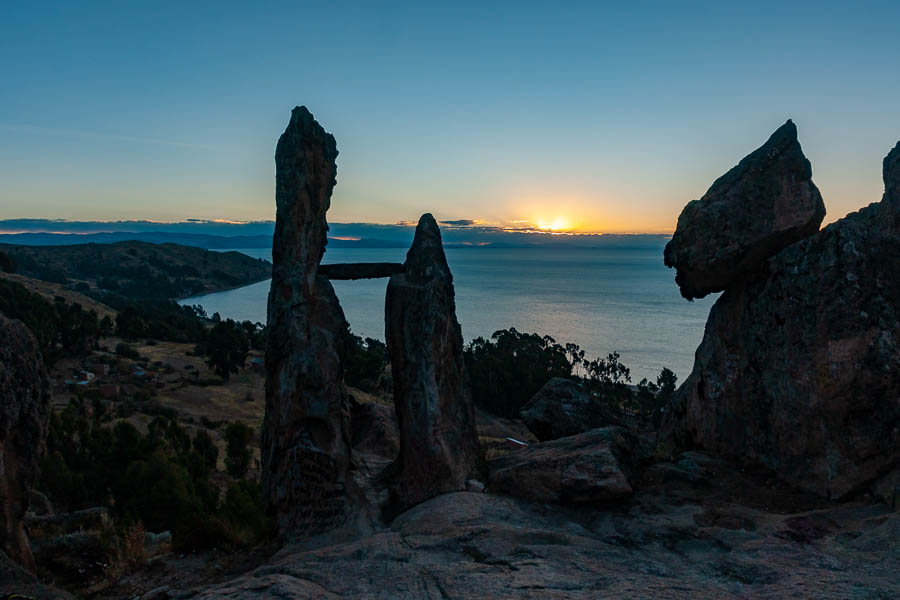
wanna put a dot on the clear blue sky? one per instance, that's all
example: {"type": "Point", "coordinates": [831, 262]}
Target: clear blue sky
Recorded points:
{"type": "Point", "coordinates": [599, 117]}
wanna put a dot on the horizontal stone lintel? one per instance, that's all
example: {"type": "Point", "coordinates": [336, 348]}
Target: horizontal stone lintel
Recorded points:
{"type": "Point", "coordinates": [360, 270]}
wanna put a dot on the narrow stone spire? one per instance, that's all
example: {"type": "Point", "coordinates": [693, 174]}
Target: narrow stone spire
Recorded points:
{"type": "Point", "coordinates": [439, 447]}
{"type": "Point", "coordinates": [305, 448]}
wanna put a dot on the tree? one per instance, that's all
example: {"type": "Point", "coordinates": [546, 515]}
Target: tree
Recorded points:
{"type": "Point", "coordinates": [666, 382]}
{"type": "Point", "coordinates": [507, 370]}
{"type": "Point", "coordinates": [204, 445]}
{"type": "Point", "coordinates": [106, 326]}
{"type": "Point", "coordinates": [651, 397]}
{"type": "Point", "coordinates": [7, 264]}
{"type": "Point", "coordinates": [237, 450]}
{"type": "Point", "coordinates": [607, 378]}
{"type": "Point", "coordinates": [364, 361]}
{"type": "Point", "coordinates": [226, 348]}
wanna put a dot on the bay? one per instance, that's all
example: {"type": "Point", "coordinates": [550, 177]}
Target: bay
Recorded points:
{"type": "Point", "coordinates": [620, 298]}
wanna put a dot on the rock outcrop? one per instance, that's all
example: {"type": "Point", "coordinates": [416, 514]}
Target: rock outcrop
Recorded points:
{"type": "Point", "coordinates": [799, 367]}
{"type": "Point", "coordinates": [562, 408]}
{"type": "Point", "coordinates": [707, 541]}
{"type": "Point", "coordinates": [586, 468]}
{"type": "Point", "coordinates": [305, 437]}
{"type": "Point", "coordinates": [24, 412]}
{"type": "Point", "coordinates": [761, 206]}
{"type": "Point", "coordinates": [439, 448]}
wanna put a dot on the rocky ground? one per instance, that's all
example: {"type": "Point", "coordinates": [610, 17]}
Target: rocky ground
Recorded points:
{"type": "Point", "coordinates": [696, 529]}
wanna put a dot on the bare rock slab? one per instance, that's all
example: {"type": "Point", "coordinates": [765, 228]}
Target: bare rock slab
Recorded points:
{"type": "Point", "coordinates": [439, 448]}
{"type": "Point", "coordinates": [764, 204]}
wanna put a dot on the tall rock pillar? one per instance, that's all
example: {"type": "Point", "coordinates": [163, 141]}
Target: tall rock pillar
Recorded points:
{"type": "Point", "coordinates": [439, 448]}
{"type": "Point", "coordinates": [305, 438]}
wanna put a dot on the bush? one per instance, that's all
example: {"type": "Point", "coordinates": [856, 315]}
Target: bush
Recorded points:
{"type": "Point", "coordinates": [127, 351]}
{"type": "Point", "coordinates": [237, 450]}
{"type": "Point", "coordinates": [207, 450]}
{"type": "Point", "coordinates": [60, 328]}
{"type": "Point", "coordinates": [7, 264]}
{"type": "Point", "coordinates": [608, 379]}
{"type": "Point", "coordinates": [364, 361]}
{"type": "Point", "coordinates": [133, 549]}
{"type": "Point", "coordinates": [652, 397]}
{"type": "Point", "coordinates": [226, 347]}
{"type": "Point", "coordinates": [243, 516]}
{"type": "Point", "coordinates": [160, 479]}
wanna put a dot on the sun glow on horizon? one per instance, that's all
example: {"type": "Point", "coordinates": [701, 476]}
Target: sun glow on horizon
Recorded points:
{"type": "Point", "coordinates": [555, 224]}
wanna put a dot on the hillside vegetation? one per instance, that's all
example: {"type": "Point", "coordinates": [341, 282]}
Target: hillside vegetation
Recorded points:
{"type": "Point", "coordinates": [138, 269]}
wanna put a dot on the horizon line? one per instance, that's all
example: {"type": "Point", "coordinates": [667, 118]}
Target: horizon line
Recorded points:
{"type": "Point", "coordinates": [447, 224]}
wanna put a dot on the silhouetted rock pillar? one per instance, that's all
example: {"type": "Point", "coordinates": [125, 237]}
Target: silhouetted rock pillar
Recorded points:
{"type": "Point", "coordinates": [24, 411]}
{"type": "Point", "coordinates": [305, 437]}
{"type": "Point", "coordinates": [439, 447]}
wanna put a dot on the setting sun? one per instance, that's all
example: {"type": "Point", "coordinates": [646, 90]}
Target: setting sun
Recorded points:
{"type": "Point", "coordinates": [557, 224]}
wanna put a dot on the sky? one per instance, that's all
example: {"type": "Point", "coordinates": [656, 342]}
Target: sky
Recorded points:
{"type": "Point", "coordinates": [599, 117]}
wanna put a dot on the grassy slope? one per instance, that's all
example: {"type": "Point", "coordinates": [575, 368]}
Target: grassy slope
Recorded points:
{"type": "Point", "coordinates": [51, 290]}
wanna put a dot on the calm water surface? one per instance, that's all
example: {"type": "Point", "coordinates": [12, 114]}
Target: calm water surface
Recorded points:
{"type": "Point", "coordinates": [605, 299]}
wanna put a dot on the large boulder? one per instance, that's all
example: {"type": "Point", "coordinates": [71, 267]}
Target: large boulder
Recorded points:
{"type": "Point", "coordinates": [799, 367]}
{"type": "Point", "coordinates": [586, 468]}
{"type": "Point", "coordinates": [439, 448]}
{"type": "Point", "coordinates": [24, 412]}
{"type": "Point", "coordinates": [562, 408]}
{"type": "Point", "coordinates": [764, 204]}
{"type": "Point", "coordinates": [305, 436]}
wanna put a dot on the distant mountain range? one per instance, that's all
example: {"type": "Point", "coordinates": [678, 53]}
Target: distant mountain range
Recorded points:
{"type": "Point", "coordinates": [219, 235]}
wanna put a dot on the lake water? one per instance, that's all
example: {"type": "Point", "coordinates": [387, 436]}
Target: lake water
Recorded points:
{"type": "Point", "coordinates": [604, 299]}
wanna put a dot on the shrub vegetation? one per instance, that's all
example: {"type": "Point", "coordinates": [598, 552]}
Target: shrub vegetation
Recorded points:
{"type": "Point", "coordinates": [161, 479]}
{"type": "Point", "coordinates": [506, 370]}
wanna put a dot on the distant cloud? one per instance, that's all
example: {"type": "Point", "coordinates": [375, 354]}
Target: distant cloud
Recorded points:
{"type": "Point", "coordinates": [462, 222]}
{"type": "Point", "coordinates": [458, 232]}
